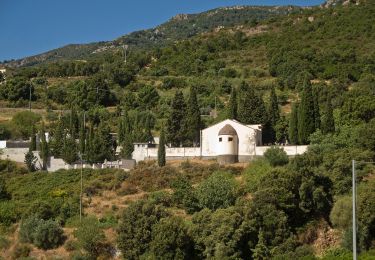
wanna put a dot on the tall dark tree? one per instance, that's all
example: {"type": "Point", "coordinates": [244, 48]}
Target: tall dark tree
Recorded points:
{"type": "Point", "coordinates": [233, 106]}
{"type": "Point", "coordinates": [101, 144]}
{"type": "Point", "coordinates": [306, 114]}
{"type": "Point", "coordinates": [317, 120]}
{"type": "Point", "coordinates": [274, 111]}
{"type": "Point", "coordinates": [175, 130]}
{"type": "Point", "coordinates": [293, 125]}
{"type": "Point", "coordinates": [43, 148]}
{"type": "Point", "coordinates": [32, 146]}
{"type": "Point", "coordinates": [82, 137]}
{"type": "Point", "coordinates": [193, 120]}
{"type": "Point", "coordinates": [251, 108]}
{"type": "Point", "coordinates": [273, 116]}
{"type": "Point", "coordinates": [73, 123]}
{"type": "Point", "coordinates": [125, 137]}
{"type": "Point", "coordinates": [69, 152]}
{"type": "Point", "coordinates": [328, 124]}
{"type": "Point", "coordinates": [57, 139]}
{"type": "Point", "coordinates": [127, 147]}
{"type": "Point", "coordinates": [161, 149]}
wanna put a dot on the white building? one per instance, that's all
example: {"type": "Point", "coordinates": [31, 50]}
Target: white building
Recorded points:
{"type": "Point", "coordinates": [228, 141]}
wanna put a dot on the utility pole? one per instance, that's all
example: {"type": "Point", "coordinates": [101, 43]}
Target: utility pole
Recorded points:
{"type": "Point", "coordinates": [80, 195]}
{"type": "Point", "coordinates": [30, 96]}
{"type": "Point", "coordinates": [354, 212]}
{"type": "Point", "coordinates": [81, 192]}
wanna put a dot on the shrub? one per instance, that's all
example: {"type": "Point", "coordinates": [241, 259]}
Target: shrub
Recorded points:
{"type": "Point", "coordinates": [8, 213]}
{"type": "Point", "coordinates": [218, 191]}
{"type": "Point", "coordinates": [183, 195]}
{"type": "Point", "coordinates": [28, 228]}
{"type": "Point", "coordinates": [341, 213]}
{"type": "Point", "coordinates": [276, 156]}
{"type": "Point", "coordinates": [44, 234]}
{"type": "Point", "coordinates": [170, 239]}
{"type": "Point", "coordinates": [4, 195]}
{"type": "Point", "coordinates": [21, 250]}
{"type": "Point", "coordinates": [71, 245]}
{"type": "Point", "coordinates": [48, 234]}
{"type": "Point", "coordinates": [134, 232]}
{"type": "Point", "coordinates": [91, 237]}
{"type": "Point", "coordinates": [255, 172]}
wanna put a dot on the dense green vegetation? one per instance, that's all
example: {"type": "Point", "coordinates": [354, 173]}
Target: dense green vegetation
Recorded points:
{"type": "Point", "coordinates": [308, 77]}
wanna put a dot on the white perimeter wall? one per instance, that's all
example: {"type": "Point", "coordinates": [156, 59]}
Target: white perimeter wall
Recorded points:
{"type": "Point", "coordinates": [143, 153]}
{"type": "Point", "coordinates": [290, 150]}
{"type": "Point", "coordinates": [18, 155]}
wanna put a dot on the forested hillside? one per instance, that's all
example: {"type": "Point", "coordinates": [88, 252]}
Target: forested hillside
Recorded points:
{"type": "Point", "coordinates": [180, 27]}
{"type": "Point", "coordinates": [308, 77]}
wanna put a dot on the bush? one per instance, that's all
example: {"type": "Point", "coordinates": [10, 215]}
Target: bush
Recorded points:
{"type": "Point", "coordinates": [8, 213]}
{"type": "Point", "coordinates": [276, 156]}
{"type": "Point", "coordinates": [71, 245]}
{"type": "Point", "coordinates": [170, 240]}
{"type": "Point", "coordinates": [254, 173]}
{"type": "Point", "coordinates": [44, 234]}
{"type": "Point", "coordinates": [28, 228]}
{"type": "Point", "coordinates": [21, 250]}
{"type": "Point", "coordinates": [91, 237]}
{"type": "Point", "coordinates": [218, 191]}
{"type": "Point", "coordinates": [48, 234]}
{"type": "Point", "coordinates": [341, 213]}
{"type": "Point", "coordinates": [134, 232]}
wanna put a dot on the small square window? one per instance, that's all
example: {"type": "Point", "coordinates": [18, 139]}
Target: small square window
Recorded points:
{"type": "Point", "coordinates": [230, 139]}
{"type": "Point", "coordinates": [220, 139]}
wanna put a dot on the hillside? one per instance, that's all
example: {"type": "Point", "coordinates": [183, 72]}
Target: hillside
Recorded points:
{"type": "Point", "coordinates": [181, 26]}
{"type": "Point", "coordinates": [309, 78]}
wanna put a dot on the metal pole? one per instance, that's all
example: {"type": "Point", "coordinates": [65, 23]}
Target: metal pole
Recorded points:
{"type": "Point", "coordinates": [80, 196]}
{"type": "Point", "coordinates": [354, 212]}
{"type": "Point", "coordinates": [30, 96]}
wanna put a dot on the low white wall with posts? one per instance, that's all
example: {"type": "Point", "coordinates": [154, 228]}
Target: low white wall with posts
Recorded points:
{"type": "Point", "coordinates": [291, 150]}
{"type": "Point", "coordinates": [142, 152]}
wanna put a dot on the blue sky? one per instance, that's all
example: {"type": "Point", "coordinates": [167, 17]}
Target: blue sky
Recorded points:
{"type": "Point", "coordinates": [30, 27]}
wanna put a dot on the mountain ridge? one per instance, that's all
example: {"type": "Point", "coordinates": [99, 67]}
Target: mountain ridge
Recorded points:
{"type": "Point", "coordinates": [178, 27]}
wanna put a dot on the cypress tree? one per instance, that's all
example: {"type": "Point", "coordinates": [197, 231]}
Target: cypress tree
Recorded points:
{"type": "Point", "coordinates": [125, 137]}
{"type": "Point", "coordinates": [57, 139]}
{"type": "Point", "coordinates": [102, 144]}
{"type": "Point", "coordinates": [293, 125]}
{"type": "Point", "coordinates": [74, 123]}
{"type": "Point", "coordinates": [44, 149]}
{"type": "Point", "coordinates": [82, 138]}
{"type": "Point", "coordinates": [274, 112]}
{"type": "Point", "coordinates": [193, 120]}
{"type": "Point", "coordinates": [328, 125]}
{"type": "Point", "coordinates": [127, 147]}
{"type": "Point", "coordinates": [32, 146]}
{"type": "Point", "coordinates": [89, 151]}
{"type": "Point", "coordinates": [175, 122]}
{"type": "Point", "coordinates": [233, 106]}
{"type": "Point", "coordinates": [316, 110]}
{"type": "Point", "coordinates": [161, 149]}
{"type": "Point", "coordinates": [251, 108]}
{"type": "Point", "coordinates": [69, 152]}
{"type": "Point", "coordinates": [306, 114]}
{"type": "Point", "coordinates": [273, 115]}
